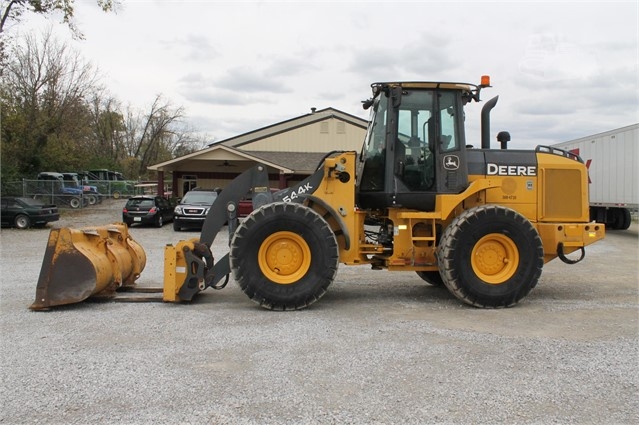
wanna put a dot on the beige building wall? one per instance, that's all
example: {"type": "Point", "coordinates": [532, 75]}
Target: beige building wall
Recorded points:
{"type": "Point", "coordinates": [324, 136]}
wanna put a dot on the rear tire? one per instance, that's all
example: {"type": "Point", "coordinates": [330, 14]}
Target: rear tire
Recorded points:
{"type": "Point", "coordinates": [434, 278]}
{"type": "Point", "coordinates": [22, 222]}
{"type": "Point", "coordinates": [490, 256]}
{"type": "Point", "coordinates": [284, 256]}
{"type": "Point", "coordinates": [159, 221]}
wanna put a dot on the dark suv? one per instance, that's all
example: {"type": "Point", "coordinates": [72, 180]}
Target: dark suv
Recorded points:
{"type": "Point", "coordinates": [153, 210]}
{"type": "Point", "coordinates": [192, 209]}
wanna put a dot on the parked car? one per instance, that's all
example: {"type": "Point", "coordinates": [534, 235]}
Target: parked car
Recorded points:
{"type": "Point", "coordinates": [191, 211]}
{"type": "Point", "coordinates": [26, 212]}
{"type": "Point", "coordinates": [154, 210]}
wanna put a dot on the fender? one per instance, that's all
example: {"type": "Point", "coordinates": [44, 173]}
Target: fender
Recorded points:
{"type": "Point", "coordinates": [343, 231]}
{"type": "Point", "coordinates": [304, 191]}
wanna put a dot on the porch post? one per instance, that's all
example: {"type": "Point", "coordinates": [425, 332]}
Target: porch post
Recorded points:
{"type": "Point", "coordinates": [160, 183]}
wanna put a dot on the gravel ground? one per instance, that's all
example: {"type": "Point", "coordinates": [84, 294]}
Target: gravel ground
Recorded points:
{"type": "Point", "coordinates": [379, 348]}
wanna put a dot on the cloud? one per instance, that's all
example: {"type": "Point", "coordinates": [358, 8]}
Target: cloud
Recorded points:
{"type": "Point", "coordinates": [559, 68]}
{"type": "Point", "coordinates": [552, 57]}
{"type": "Point", "coordinates": [195, 48]}
{"type": "Point", "coordinates": [250, 79]}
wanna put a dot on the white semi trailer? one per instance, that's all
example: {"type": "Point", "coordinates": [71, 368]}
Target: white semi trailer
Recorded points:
{"type": "Point", "coordinates": [612, 160]}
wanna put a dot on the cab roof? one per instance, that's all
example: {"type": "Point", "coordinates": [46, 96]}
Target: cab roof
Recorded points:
{"type": "Point", "coordinates": [428, 85]}
{"type": "Point", "coordinates": [469, 91]}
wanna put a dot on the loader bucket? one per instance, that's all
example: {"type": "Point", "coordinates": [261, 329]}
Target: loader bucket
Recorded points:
{"type": "Point", "coordinates": [88, 262]}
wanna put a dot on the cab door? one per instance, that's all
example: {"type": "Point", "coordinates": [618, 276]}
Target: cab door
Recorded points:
{"type": "Point", "coordinates": [451, 168]}
{"type": "Point", "coordinates": [429, 149]}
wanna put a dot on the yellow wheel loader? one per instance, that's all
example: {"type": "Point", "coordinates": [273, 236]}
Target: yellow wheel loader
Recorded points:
{"type": "Point", "coordinates": [480, 221]}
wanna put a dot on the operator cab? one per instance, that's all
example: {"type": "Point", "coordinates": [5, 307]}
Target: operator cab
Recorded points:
{"type": "Point", "coordinates": [415, 144]}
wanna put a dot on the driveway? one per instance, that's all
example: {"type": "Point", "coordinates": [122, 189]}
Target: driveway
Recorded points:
{"type": "Point", "coordinates": [379, 348]}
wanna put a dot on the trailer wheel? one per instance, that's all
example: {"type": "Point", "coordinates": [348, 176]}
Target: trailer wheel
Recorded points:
{"type": "Point", "coordinates": [490, 256]}
{"type": "Point", "coordinates": [621, 218]}
{"type": "Point", "coordinates": [434, 278]}
{"type": "Point", "coordinates": [284, 256]}
{"type": "Point", "coordinates": [116, 194]}
{"type": "Point", "coordinates": [627, 219]}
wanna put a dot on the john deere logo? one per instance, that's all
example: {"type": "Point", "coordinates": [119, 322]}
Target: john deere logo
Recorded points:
{"type": "Point", "coordinates": [451, 162]}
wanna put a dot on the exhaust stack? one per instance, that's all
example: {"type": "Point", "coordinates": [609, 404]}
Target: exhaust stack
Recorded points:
{"type": "Point", "coordinates": [485, 122]}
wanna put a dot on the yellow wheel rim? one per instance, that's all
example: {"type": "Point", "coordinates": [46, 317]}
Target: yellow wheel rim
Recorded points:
{"type": "Point", "coordinates": [495, 258]}
{"type": "Point", "coordinates": [284, 257]}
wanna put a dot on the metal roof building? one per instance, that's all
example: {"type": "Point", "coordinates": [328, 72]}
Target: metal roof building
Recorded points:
{"type": "Point", "coordinates": [290, 149]}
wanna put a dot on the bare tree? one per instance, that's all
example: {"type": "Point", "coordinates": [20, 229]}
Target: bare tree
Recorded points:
{"type": "Point", "coordinates": [150, 136]}
{"type": "Point", "coordinates": [56, 115]}
{"type": "Point", "coordinates": [45, 85]}
{"type": "Point", "coordinates": [108, 127]}
{"type": "Point", "coordinates": [12, 12]}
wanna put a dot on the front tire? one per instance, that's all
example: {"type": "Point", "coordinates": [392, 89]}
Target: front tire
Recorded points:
{"type": "Point", "coordinates": [75, 203]}
{"type": "Point", "coordinates": [490, 256]}
{"type": "Point", "coordinates": [284, 256]}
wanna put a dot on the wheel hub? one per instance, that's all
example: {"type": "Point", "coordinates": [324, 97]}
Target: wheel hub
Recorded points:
{"type": "Point", "coordinates": [284, 257]}
{"type": "Point", "coordinates": [495, 258]}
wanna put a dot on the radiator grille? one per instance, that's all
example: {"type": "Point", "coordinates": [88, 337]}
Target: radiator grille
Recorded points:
{"type": "Point", "coordinates": [562, 193]}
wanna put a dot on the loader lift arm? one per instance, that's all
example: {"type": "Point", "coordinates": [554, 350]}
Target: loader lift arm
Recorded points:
{"type": "Point", "coordinates": [223, 211]}
{"type": "Point", "coordinates": [200, 274]}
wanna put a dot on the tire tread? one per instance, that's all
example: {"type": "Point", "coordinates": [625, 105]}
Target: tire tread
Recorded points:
{"type": "Point", "coordinates": [267, 215]}
{"type": "Point", "coordinates": [451, 240]}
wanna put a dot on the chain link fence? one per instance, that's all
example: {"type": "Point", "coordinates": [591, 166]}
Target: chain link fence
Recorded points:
{"type": "Point", "coordinates": [55, 192]}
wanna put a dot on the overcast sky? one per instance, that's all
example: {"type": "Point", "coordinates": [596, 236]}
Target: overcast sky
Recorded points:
{"type": "Point", "coordinates": [562, 70]}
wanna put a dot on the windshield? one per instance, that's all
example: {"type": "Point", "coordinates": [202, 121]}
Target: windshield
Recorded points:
{"type": "Point", "coordinates": [196, 197]}
{"type": "Point", "coordinates": [32, 202]}
{"type": "Point", "coordinates": [141, 203]}
{"type": "Point", "coordinates": [374, 154]}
